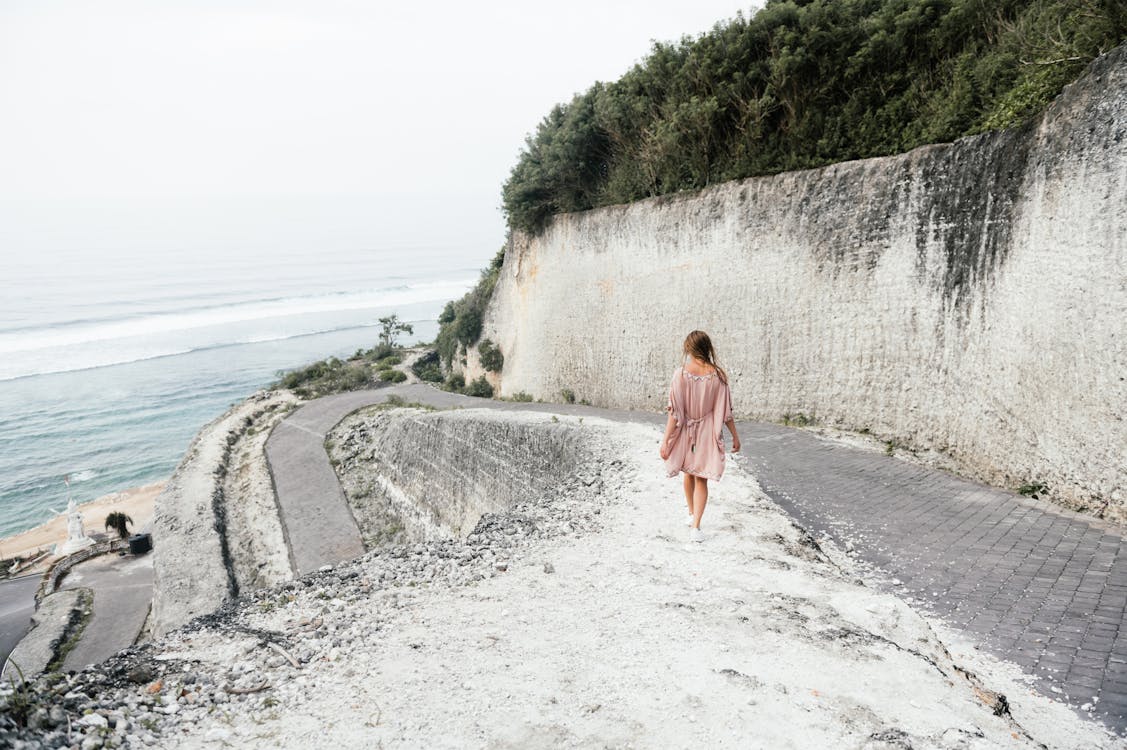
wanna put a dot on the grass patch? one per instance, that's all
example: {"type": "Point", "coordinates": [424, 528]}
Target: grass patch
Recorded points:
{"type": "Point", "coordinates": [798, 419]}
{"type": "Point", "coordinates": [74, 629]}
{"type": "Point", "coordinates": [1033, 489]}
{"type": "Point", "coordinates": [519, 397]}
{"type": "Point", "coordinates": [398, 402]}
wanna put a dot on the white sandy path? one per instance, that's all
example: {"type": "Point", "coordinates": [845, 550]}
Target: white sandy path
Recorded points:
{"type": "Point", "coordinates": [634, 641]}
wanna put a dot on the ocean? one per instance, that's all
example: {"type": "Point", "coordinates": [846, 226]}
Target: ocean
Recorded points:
{"type": "Point", "coordinates": [109, 364]}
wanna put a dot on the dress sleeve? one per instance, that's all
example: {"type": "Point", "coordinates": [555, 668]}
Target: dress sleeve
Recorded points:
{"type": "Point", "coordinates": [726, 400]}
{"type": "Point", "coordinates": [672, 404]}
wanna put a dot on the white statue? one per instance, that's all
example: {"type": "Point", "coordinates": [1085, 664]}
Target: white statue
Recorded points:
{"type": "Point", "coordinates": [76, 535]}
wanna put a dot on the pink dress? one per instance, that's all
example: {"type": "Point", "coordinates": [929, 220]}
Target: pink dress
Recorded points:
{"type": "Point", "coordinates": [700, 405]}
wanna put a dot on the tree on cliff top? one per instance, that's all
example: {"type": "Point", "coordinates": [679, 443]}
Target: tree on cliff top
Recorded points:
{"type": "Point", "coordinates": [391, 327]}
{"type": "Point", "coordinates": [804, 83]}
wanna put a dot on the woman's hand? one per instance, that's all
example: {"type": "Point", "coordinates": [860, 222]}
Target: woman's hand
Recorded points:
{"type": "Point", "coordinates": [663, 450]}
{"type": "Point", "coordinates": [735, 443]}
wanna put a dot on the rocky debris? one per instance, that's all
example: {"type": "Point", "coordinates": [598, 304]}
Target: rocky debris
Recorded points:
{"type": "Point", "coordinates": [147, 691]}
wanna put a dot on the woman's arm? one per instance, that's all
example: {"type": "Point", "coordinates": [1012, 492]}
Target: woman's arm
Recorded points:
{"type": "Point", "coordinates": [731, 425]}
{"type": "Point", "coordinates": [663, 450]}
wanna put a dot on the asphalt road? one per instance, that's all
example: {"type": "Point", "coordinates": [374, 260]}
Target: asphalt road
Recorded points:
{"type": "Point", "coordinates": [17, 604]}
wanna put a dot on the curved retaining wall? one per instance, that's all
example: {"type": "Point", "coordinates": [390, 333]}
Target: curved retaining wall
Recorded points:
{"type": "Point", "coordinates": [969, 298]}
{"type": "Point", "coordinates": [412, 475]}
{"type": "Point", "coordinates": [197, 555]}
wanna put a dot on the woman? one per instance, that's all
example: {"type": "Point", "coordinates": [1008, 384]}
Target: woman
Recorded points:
{"type": "Point", "coordinates": [699, 407]}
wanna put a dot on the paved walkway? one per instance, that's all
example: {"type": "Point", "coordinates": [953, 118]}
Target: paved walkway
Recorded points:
{"type": "Point", "coordinates": [1035, 584]}
{"type": "Point", "coordinates": [123, 591]}
{"type": "Point", "coordinates": [1030, 582]}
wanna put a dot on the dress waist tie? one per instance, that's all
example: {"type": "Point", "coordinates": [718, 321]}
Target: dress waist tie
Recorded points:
{"type": "Point", "coordinates": [692, 424]}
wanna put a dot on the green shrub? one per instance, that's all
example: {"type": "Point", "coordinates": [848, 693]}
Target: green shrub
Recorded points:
{"type": "Point", "coordinates": [455, 382]}
{"type": "Point", "coordinates": [480, 388]}
{"type": "Point", "coordinates": [568, 395]}
{"type": "Point", "coordinates": [389, 361]}
{"type": "Point", "coordinates": [327, 376]}
{"type": "Point", "coordinates": [804, 83]}
{"type": "Point", "coordinates": [378, 352]}
{"type": "Point", "coordinates": [392, 376]}
{"type": "Point", "coordinates": [461, 320]}
{"type": "Point", "coordinates": [519, 397]}
{"type": "Point", "coordinates": [428, 368]}
{"type": "Point", "coordinates": [491, 358]}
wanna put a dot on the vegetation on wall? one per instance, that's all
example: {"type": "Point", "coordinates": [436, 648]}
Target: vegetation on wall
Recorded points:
{"type": "Point", "coordinates": [490, 356]}
{"type": "Point", "coordinates": [460, 322]}
{"type": "Point", "coordinates": [802, 83]}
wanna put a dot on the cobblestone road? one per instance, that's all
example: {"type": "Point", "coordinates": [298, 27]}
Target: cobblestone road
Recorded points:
{"type": "Point", "coordinates": [1035, 584]}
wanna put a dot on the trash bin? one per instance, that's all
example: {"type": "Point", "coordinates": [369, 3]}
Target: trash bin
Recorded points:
{"type": "Point", "coordinates": [139, 544]}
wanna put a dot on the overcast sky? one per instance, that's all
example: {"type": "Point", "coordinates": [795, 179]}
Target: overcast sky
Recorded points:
{"type": "Point", "coordinates": [221, 126]}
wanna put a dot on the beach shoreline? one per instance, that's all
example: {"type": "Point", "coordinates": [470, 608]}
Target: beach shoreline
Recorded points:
{"type": "Point", "coordinates": [136, 502]}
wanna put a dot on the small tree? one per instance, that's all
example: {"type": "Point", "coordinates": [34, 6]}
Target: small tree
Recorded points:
{"type": "Point", "coordinates": [119, 522]}
{"type": "Point", "coordinates": [391, 327]}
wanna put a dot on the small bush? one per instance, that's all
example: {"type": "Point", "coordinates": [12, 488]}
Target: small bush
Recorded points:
{"type": "Point", "coordinates": [455, 382]}
{"type": "Point", "coordinates": [330, 375]}
{"type": "Point", "coordinates": [480, 388]}
{"type": "Point", "coordinates": [567, 395]}
{"type": "Point", "coordinates": [428, 367]}
{"type": "Point", "coordinates": [491, 358]}
{"type": "Point", "coordinates": [379, 352]}
{"type": "Point", "coordinates": [392, 376]}
{"type": "Point", "coordinates": [389, 361]}
{"type": "Point", "coordinates": [520, 397]}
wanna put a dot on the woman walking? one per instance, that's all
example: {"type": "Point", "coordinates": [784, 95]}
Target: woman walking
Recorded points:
{"type": "Point", "coordinates": [700, 405]}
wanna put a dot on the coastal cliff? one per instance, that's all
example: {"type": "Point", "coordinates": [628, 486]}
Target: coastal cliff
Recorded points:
{"type": "Point", "coordinates": [967, 298]}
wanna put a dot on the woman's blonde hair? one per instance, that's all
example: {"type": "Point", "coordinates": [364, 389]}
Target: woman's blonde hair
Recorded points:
{"type": "Point", "coordinates": [699, 346]}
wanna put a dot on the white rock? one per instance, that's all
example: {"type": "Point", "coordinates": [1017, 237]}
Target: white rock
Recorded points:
{"type": "Point", "coordinates": [93, 720]}
{"type": "Point", "coordinates": [217, 734]}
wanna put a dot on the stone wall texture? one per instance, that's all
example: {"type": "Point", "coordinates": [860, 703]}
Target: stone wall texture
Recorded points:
{"type": "Point", "coordinates": [433, 475]}
{"type": "Point", "coordinates": [969, 298]}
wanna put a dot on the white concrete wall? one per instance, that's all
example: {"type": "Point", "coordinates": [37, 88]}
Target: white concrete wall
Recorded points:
{"type": "Point", "coordinates": [967, 297]}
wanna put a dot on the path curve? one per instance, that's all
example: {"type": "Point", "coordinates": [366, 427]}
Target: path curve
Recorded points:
{"type": "Point", "coordinates": [1032, 583]}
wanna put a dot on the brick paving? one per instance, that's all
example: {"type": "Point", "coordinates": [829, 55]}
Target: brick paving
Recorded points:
{"type": "Point", "coordinates": [1030, 582]}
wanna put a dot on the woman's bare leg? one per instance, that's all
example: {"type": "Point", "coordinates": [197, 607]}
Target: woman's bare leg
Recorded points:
{"type": "Point", "coordinates": [690, 485]}
{"type": "Point", "coordinates": [700, 499]}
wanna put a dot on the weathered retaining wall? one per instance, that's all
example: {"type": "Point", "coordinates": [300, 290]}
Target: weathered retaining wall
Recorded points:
{"type": "Point", "coordinates": [412, 475]}
{"type": "Point", "coordinates": [967, 297]}
{"type": "Point", "coordinates": [204, 548]}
